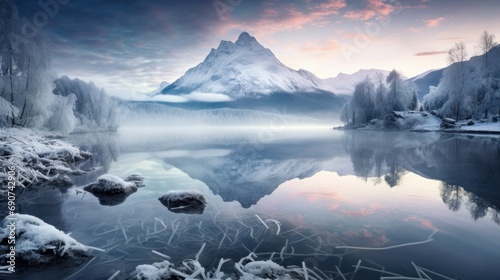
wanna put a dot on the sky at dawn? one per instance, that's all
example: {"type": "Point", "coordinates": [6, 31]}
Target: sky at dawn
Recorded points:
{"type": "Point", "coordinates": [130, 47]}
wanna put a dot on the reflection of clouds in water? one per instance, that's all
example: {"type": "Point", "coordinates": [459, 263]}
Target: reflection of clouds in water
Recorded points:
{"type": "Point", "coordinates": [425, 223]}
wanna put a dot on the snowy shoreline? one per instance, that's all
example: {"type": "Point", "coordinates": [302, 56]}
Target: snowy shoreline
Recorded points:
{"type": "Point", "coordinates": [38, 159]}
{"type": "Point", "coordinates": [419, 121]}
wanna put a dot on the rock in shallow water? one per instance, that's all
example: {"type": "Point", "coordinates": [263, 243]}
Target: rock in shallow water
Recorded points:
{"type": "Point", "coordinates": [184, 201]}
{"type": "Point", "coordinates": [112, 190]}
{"type": "Point", "coordinates": [111, 185]}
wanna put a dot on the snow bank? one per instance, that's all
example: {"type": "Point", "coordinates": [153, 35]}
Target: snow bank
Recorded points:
{"type": "Point", "coordinates": [429, 121]}
{"type": "Point", "coordinates": [192, 269]}
{"type": "Point", "coordinates": [38, 242]}
{"type": "Point", "coordinates": [404, 120]}
{"type": "Point", "coordinates": [493, 127]}
{"type": "Point", "coordinates": [184, 201]}
{"type": "Point", "coordinates": [37, 159]}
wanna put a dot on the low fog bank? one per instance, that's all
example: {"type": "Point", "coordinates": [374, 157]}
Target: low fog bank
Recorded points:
{"type": "Point", "coordinates": [161, 115]}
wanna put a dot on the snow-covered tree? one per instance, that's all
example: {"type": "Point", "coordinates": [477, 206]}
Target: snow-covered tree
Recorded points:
{"type": "Point", "coordinates": [468, 88]}
{"type": "Point", "coordinates": [361, 108]}
{"type": "Point", "coordinates": [370, 102]}
{"type": "Point", "coordinates": [401, 95]}
{"type": "Point", "coordinates": [456, 82]}
{"type": "Point", "coordinates": [63, 119]}
{"type": "Point", "coordinates": [486, 43]}
{"type": "Point", "coordinates": [452, 98]}
{"type": "Point", "coordinates": [24, 70]}
{"type": "Point", "coordinates": [94, 109]}
{"type": "Point", "coordinates": [487, 95]}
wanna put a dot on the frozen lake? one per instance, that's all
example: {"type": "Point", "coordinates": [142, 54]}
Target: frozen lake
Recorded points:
{"type": "Point", "coordinates": [329, 191]}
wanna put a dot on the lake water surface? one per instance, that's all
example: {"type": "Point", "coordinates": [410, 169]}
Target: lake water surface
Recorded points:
{"type": "Point", "coordinates": [438, 195]}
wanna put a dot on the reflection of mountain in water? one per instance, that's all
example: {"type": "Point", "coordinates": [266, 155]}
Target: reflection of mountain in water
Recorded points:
{"type": "Point", "coordinates": [252, 170]}
{"type": "Point", "coordinates": [468, 166]}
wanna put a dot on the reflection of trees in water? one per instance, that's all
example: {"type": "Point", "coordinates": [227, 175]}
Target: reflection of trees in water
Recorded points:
{"type": "Point", "coordinates": [478, 207]}
{"type": "Point", "coordinates": [375, 154]}
{"type": "Point", "coordinates": [468, 166]}
{"type": "Point", "coordinates": [452, 196]}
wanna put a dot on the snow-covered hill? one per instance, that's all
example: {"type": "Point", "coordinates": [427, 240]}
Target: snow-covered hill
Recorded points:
{"type": "Point", "coordinates": [426, 80]}
{"type": "Point", "coordinates": [345, 83]}
{"type": "Point", "coordinates": [243, 69]}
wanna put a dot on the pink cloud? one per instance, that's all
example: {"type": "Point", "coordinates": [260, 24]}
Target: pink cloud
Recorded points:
{"type": "Point", "coordinates": [278, 17]}
{"type": "Point", "coordinates": [434, 22]}
{"type": "Point", "coordinates": [430, 53]}
{"type": "Point", "coordinates": [374, 9]}
{"type": "Point", "coordinates": [415, 29]}
{"type": "Point", "coordinates": [325, 47]}
{"type": "Point", "coordinates": [332, 5]}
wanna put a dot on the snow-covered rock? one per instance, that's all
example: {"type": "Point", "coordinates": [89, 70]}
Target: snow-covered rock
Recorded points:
{"type": "Point", "coordinates": [37, 242]}
{"type": "Point", "coordinates": [111, 185]}
{"type": "Point", "coordinates": [112, 190]}
{"type": "Point", "coordinates": [136, 178]}
{"type": "Point", "coordinates": [264, 270]}
{"type": "Point", "coordinates": [184, 201]}
{"type": "Point", "coordinates": [155, 271]}
{"type": "Point", "coordinates": [243, 69]}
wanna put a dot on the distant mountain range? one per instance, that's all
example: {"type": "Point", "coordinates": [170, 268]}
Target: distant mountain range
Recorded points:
{"type": "Point", "coordinates": [246, 75]}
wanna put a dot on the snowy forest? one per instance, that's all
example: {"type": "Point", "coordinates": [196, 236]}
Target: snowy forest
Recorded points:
{"type": "Point", "coordinates": [468, 89]}
{"type": "Point", "coordinates": [370, 101]}
{"type": "Point", "coordinates": [30, 94]}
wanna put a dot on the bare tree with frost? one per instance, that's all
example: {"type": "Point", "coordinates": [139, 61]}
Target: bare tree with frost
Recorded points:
{"type": "Point", "coordinates": [486, 43]}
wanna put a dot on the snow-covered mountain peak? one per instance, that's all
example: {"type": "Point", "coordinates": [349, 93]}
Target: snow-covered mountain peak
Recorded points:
{"type": "Point", "coordinates": [225, 46]}
{"type": "Point", "coordinates": [245, 38]}
{"type": "Point", "coordinates": [242, 69]}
